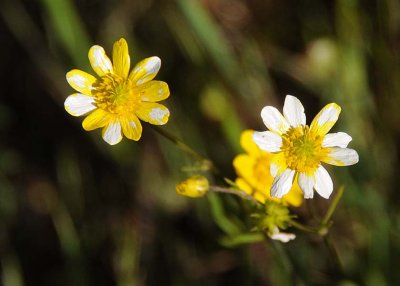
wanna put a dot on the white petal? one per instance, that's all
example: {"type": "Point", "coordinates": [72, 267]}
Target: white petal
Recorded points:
{"type": "Point", "coordinates": [293, 111]}
{"type": "Point", "coordinates": [282, 236]}
{"type": "Point", "coordinates": [112, 133]}
{"type": "Point", "coordinates": [268, 141]}
{"type": "Point", "coordinates": [339, 139]}
{"type": "Point", "coordinates": [100, 62]}
{"type": "Point", "coordinates": [273, 169]}
{"type": "Point", "coordinates": [325, 119]}
{"type": "Point", "coordinates": [306, 184]}
{"type": "Point", "coordinates": [274, 120]}
{"type": "Point", "coordinates": [323, 182]}
{"type": "Point", "coordinates": [146, 70]}
{"type": "Point", "coordinates": [341, 157]}
{"type": "Point", "coordinates": [79, 104]}
{"type": "Point", "coordinates": [282, 183]}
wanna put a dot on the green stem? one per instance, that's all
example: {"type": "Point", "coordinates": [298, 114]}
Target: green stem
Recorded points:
{"type": "Point", "coordinates": [240, 193]}
{"type": "Point", "coordinates": [303, 227]}
{"type": "Point", "coordinates": [207, 163]}
{"type": "Point", "coordinates": [332, 207]}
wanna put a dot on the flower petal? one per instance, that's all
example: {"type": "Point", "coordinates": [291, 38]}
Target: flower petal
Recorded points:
{"type": "Point", "coordinates": [293, 111]}
{"type": "Point", "coordinates": [81, 81]}
{"type": "Point", "coordinates": [145, 71]}
{"type": "Point", "coordinates": [112, 133]}
{"type": "Point", "coordinates": [282, 183]}
{"type": "Point", "coordinates": [97, 119]}
{"type": "Point", "coordinates": [244, 165]}
{"type": "Point", "coordinates": [341, 157]}
{"type": "Point", "coordinates": [306, 184]}
{"type": "Point", "coordinates": [274, 120]}
{"type": "Point", "coordinates": [325, 119]}
{"type": "Point", "coordinates": [131, 127]}
{"type": "Point", "coordinates": [339, 139]}
{"type": "Point", "coordinates": [153, 91]}
{"type": "Point", "coordinates": [247, 143]}
{"type": "Point", "coordinates": [153, 113]}
{"type": "Point", "coordinates": [99, 61]}
{"type": "Point", "coordinates": [78, 104]}
{"type": "Point", "coordinates": [268, 141]}
{"type": "Point", "coordinates": [245, 187]}
{"type": "Point", "coordinates": [278, 164]}
{"type": "Point", "coordinates": [121, 59]}
{"type": "Point", "coordinates": [281, 236]}
{"type": "Point", "coordinates": [323, 182]}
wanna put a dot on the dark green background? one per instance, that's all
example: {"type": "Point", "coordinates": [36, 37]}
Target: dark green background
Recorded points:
{"type": "Point", "coordinates": [75, 211]}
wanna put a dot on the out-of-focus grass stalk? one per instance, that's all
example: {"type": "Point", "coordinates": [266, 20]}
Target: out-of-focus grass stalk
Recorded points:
{"type": "Point", "coordinates": [20, 23]}
{"type": "Point", "coordinates": [212, 40]}
{"type": "Point", "coordinates": [210, 37]}
{"type": "Point", "coordinates": [220, 217]}
{"type": "Point", "coordinates": [68, 236]}
{"type": "Point", "coordinates": [11, 274]}
{"type": "Point", "coordinates": [354, 91]}
{"type": "Point", "coordinates": [11, 271]}
{"type": "Point", "coordinates": [68, 28]}
{"type": "Point", "coordinates": [126, 257]}
{"type": "Point", "coordinates": [244, 238]}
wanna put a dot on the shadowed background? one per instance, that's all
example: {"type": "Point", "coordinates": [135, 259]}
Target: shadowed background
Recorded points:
{"type": "Point", "coordinates": [76, 211]}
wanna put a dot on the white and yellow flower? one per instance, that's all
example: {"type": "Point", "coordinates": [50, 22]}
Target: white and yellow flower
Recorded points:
{"type": "Point", "coordinates": [299, 149]}
{"type": "Point", "coordinates": [253, 173]}
{"type": "Point", "coordinates": [117, 99]}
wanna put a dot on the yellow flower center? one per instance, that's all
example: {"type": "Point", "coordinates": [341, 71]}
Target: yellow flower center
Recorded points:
{"type": "Point", "coordinates": [302, 149]}
{"type": "Point", "coordinates": [115, 94]}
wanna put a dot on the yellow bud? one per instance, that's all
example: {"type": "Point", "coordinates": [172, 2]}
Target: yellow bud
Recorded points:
{"type": "Point", "coordinates": [193, 187]}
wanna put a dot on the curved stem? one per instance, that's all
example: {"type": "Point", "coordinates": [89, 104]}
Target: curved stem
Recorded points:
{"type": "Point", "coordinates": [303, 227]}
{"type": "Point", "coordinates": [207, 163]}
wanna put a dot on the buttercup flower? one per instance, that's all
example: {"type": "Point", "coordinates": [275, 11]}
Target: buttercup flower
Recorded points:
{"type": "Point", "coordinates": [193, 187]}
{"type": "Point", "coordinates": [117, 99]}
{"type": "Point", "coordinates": [253, 173]}
{"type": "Point", "coordinates": [299, 149]}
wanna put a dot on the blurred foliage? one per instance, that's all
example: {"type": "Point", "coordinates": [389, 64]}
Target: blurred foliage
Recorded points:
{"type": "Point", "coordinates": [75, 211]}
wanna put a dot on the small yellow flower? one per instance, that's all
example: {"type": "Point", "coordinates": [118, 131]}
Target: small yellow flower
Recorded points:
{"type": "Point", "coordinates": [299, 149]}
{"type": "Point", "coordinates": [116, 99]}
{"type": "Point", "coordinates": [193, 187]}
{"type": "Point", "coordinates": [253, 173]}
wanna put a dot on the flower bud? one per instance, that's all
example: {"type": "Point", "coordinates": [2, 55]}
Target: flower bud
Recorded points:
{"type": "Point", "coordinates": [193, 187]}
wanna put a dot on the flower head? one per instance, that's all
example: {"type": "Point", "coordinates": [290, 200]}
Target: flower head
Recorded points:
{"type": "Point", "coordinates": [299, 149]}
{"type": "Point", "coordinates": [193, 187]}
{"type": "Point", "coordinates": [272, 219]}
{"type": "Point", "coordinates": [253, 173]}
{"type": "Point", "coordinates": [115, 100]}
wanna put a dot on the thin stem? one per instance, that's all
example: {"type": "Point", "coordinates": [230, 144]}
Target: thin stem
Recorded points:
{"type": "Point", "coordinates": [332, 207]}
{"type": "Point", "coordinates": [187, 149]}
{"type": "Point", "coordinates": [236, 192]}
{"type": "Point", "coordinates": [303, 227]}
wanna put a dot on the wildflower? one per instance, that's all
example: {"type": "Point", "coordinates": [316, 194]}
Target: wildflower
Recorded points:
{"type": "Point", "coordinates": [193, 187]}
{"type": "Point", "coordinates": [274, 217]}
{"type": "Point", "coordinates": [117, 99]}
{"type": "Point", "coordinates": [299, 149]}
{"type": "Point", "coordinates": [253, 172]}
